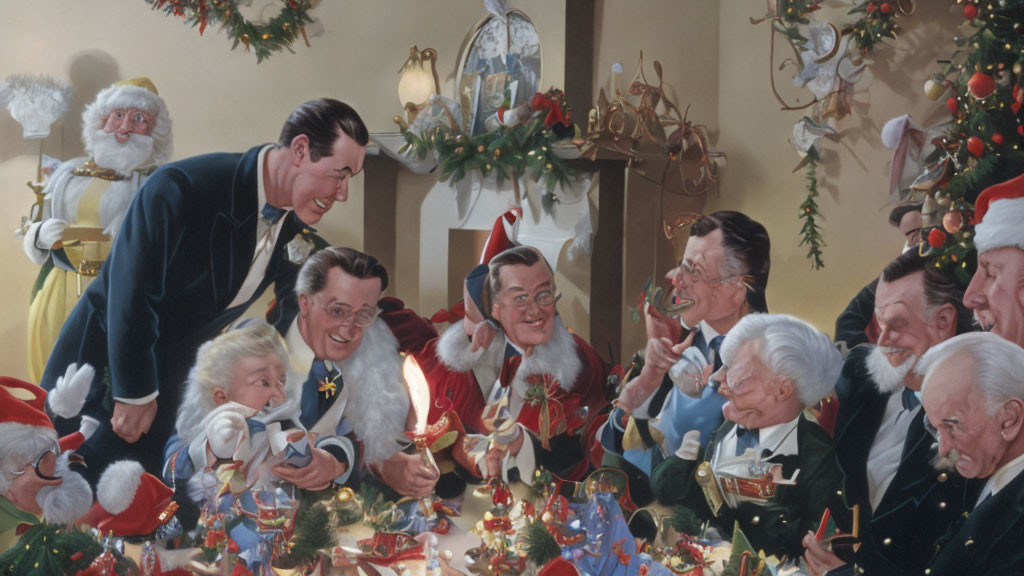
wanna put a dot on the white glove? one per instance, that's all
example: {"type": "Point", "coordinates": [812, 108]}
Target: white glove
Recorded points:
{"type": "Point", "coordinates": [41, 236]}
{"type": "Point", "coordinates": [68, 395]}
{"type": "Point", "coordinates": [227, 435]}
{"type": "Point", "coordinates": [689, 449]}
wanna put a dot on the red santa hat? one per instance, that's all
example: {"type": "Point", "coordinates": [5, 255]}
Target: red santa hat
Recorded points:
{"type": "Point", "coordinates": [503, 234]}
{"type": "Point", "coordinates": [129, 501]}
{"type": "Point", "coordinates": [559, 567]}
{"type": "Point", "coordinates": [999, 212]}
{"type": "Point", "coordinates": [24, 403]}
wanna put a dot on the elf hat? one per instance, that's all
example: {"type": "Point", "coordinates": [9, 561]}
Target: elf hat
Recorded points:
{"type": "Point", "coordinates": [23, 403]}
{"type": "Point", "coordinates": [999, 212]}
{"type": "Point", "coordinates": [129, 501]}
{"type": "Point", "coordinates": [503, 234]}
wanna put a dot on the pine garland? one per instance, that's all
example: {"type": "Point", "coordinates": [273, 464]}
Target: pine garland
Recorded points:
{"type": "Point", "coordinates": [810, 232]}
{"type": "Point", "coordinates": [315, 527]}
{"type": "Point", "coordinates": [685, 521]}
{"type": "Point", "coordinates": [877, 24]}
{"type": "Point", "coordinates": [541, 546]}
{"type": "Point", "coordinates": [53, 549]}
{"type": "Point", "coordinates": [265, 39]}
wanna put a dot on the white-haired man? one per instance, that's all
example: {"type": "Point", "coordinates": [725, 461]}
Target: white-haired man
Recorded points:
{"type": "Point", "coordinates": [996, 293]}
{"type": "Point", "coordinates": [127, 134]}
{"type": "Point", "coordinates": [34, 476]}
{"type": "Point", "coordinates": [886, 455]}
{"type": "Point", "coordinates": [774, 366]}
{"type": "Point", "coordinates": [973, 394]}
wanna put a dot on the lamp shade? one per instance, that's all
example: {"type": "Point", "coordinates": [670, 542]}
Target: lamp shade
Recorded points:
{"type": "Point", "coordinates": [418, 80]}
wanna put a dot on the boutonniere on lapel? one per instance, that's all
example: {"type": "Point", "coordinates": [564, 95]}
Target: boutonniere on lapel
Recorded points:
{"type": "Point", "coordinates": [328, 386]}
{"type": "Point", "coordinates": [540, 394]}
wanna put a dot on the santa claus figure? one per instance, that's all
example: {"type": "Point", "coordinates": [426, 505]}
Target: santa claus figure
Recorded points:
{"type": "Point", "coordinates": [34, 477]}
{"type": "Point", "coordinates": [127, 133]}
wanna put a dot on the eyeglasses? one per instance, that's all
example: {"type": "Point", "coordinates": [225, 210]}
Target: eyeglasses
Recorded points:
{"type": "Point", "coordinates": [542, 299]}
{"type": "Point", "coordinates": [686, 274]}
{"type": "Point", "coordinates": [344, 315]}
{"type": "Point", "coordinates": [950, 425]}
{"type": "Point", "coordinates": [720, 380]}
{"type": "Point", "coordinates": [45, 466]}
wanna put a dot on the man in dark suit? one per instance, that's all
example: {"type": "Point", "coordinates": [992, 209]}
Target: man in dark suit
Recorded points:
{"type": "Point", "coordinates": [774, 366]}
{"type": "Point", "coordinates": [721, 278]}
{"type": "Point", "coordinates": [886, 455]}
{"type": "Point", "coordinates": [203, 238]}
{"type": "Point", "coordinates": [974, 396]}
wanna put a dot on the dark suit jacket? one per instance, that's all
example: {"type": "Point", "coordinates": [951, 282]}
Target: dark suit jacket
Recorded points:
{"type": "Point", "coordinates": [779, 527]}
{"type": "Point", "coordinates": [989, 541]}
{"type": "Point", "coordinates": [920, 502]}
{"type": "Point", "coordinates": [183, 252]}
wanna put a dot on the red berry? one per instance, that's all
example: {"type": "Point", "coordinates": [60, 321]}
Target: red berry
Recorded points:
{"type": "Point", "coordinates": [981, 85]}
{"type": "Point", "coordinates": [936, 238]}
{"type": "Point", "coordinates": [871, 7]}
{"type": "Point", "coordinates": [970, 11]}
{"type": "Point", "coordinates": [1020, 130]}
{"type": "Point", "coordinates": [952, 106]}
{"type": "Point", "coordinates": [997, 139]}
{"type": "Point", "coordinates": [975, 146]}
{"type": "Point", "coordinates": [885, 8]}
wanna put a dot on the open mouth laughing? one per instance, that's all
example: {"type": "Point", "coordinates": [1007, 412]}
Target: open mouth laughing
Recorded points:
{"type": "Point", "coordinates": [321, 204]}
{"type": "Point", "coordinates": [338, 338]}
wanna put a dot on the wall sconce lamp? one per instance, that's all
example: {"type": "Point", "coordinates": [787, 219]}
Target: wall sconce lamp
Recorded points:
{"type": "Point", "coordinates": [418, 80]}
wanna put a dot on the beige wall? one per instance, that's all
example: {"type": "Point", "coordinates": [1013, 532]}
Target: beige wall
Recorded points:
{"type": "Point", "coordinates": [220, 100]}
{"type": "Point", "coordinates": [855, 173]}
{"type": "Point", "coordinates": [712, 56]}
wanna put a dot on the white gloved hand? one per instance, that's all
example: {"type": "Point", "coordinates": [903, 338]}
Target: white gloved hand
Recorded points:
{"type": "Point", "coordinates": [68, 395]}
{"type": "Point", "coordinates": [28, 243]}
{"type": "Point", "coordinates": [689, 449]}
{"type": "Point", "coordinates": [51, 232]}
{"type": "Point", "coordinates": [227, 435]}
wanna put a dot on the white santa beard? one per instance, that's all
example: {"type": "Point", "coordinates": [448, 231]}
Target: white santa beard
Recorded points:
{"type": "Point", "coordinates": [888, 378]}
{"type": "Point", "coordinates": [123, 157]}
{"type": "Point", "coordinates": [63, 503]}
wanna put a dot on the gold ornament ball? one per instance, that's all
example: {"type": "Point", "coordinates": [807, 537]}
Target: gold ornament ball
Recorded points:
{"type": "Point", "coordinates": [934, 89]}
{"type": "Point", "coordinates": [953, 222]}
{"type": "Point", "coordinates": [1017, 68]}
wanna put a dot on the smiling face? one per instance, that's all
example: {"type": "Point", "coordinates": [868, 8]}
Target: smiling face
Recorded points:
{"type": "Point", "coordinates": [256, 382]}
{"type": "Point", "coordinates": [318, 185]}
{"type": "Point", "coordinates": [326, 320]}
{"type": "Point", "coordinates": [525, 322]}
{"type": "Point", "coordinates": [757, 397]}
{"type": "Point", "coordinates": [908, 329]}
{"type": "Point", "coordinates": [996, 293]}
{"type": "Point", "coordinates": [697, 279]}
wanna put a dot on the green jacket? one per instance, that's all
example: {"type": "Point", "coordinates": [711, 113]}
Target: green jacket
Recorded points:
{"type": "Point", "coordinates": [777, 528]}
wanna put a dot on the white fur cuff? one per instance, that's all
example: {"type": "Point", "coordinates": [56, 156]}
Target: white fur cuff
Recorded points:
{"type": "Point", "coordinates": [118, 484]}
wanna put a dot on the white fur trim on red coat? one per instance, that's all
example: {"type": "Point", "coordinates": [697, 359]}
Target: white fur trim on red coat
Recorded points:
{"type": "Point", "coordinates": [118, 484]}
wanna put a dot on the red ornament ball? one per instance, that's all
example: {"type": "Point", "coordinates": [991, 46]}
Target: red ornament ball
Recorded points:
{"type": "Point", "coordinates": [952, 106]}
{"type": "Point", "coordinates": [981, 85]}
{"type": "Point", "coordinates": [953, 222]}
{"type": "Point", "coordinates": [970, 11]}
{"type": "Point", "coordinates": [871, 7]}
{"type": "Point", "coordinates": [997, 139]}
{"type": "Point", "coordinates": [975, 146]}
{"type": "Point", "coordinates": [886, 8]}
{"type": "Point", "coordinates": [936, 238]}
{"type": "Point", "coordinates": [1020, 130]}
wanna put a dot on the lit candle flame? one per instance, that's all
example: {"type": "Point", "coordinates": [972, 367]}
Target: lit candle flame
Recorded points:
{"type": "Point", "coordinates": [419, 392]}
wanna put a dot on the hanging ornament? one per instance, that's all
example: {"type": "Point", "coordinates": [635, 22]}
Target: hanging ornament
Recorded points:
{"type": "Point", "coordinates": [952, 105]}
{"type": "Point", "coordinates": [981, 85]}
{"type": "Point", "coordinates": [885, 8]}
{"type": "Point", "coordinates": [953, 222]}
{"type": "Point", "coordinates": [975, 146]}
{"type": "Point", "coordinates": [936, 238]}
{"type": "Point", "coordinates": [970, 11]}
{"type": "Point", "coordinates": [997, 139]}
{"type": "Point", "coordinates": [934, 88]}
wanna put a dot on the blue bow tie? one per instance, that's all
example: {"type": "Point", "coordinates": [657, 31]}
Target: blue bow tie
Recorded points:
{"type": "Point", "coordinates": [272, 213]}
{"type": "Point", "coordinates": [746, 439]}
{"type": "Point", "coordinates": [910, 400]}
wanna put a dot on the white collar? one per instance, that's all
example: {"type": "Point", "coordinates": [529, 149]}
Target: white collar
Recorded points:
{"type": "Point", "coordinates": [1003, 476]}
{"type": "Point", "coordinates": [778, 438]}
{"type": "Point", "coordinates": [708, 332]}
{"type": "Point", "coordinates": [261, 189]}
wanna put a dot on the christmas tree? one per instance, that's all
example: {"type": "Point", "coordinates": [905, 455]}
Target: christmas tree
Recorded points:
{"type": "Point", "coordinates": [985, 144]}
